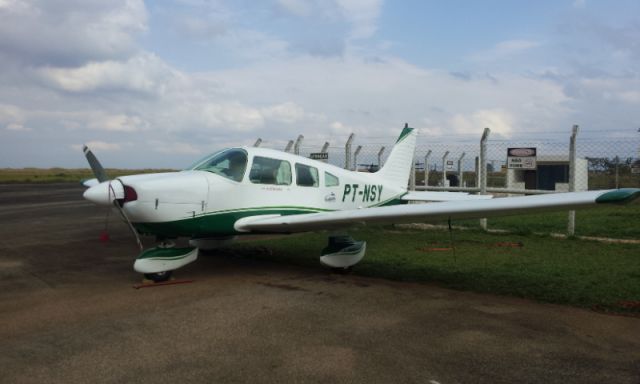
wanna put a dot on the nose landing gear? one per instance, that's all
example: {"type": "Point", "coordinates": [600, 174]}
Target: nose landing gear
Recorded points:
{"type": "Point", "coordinates": [157, 264]}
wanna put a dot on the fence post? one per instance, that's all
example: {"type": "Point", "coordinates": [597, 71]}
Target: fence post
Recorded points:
{"type": "Point", "coordinates": [296, 147]}
{"type": "Point", "coordinates": [380, 157]}
{"type": "Point", "coordinates": [571, 225]}
{"type": "Point", "coordinates": [288, 147]}
{"type": "Point", "coordinates": [617, 160]}
{"type": "Point", "coordinates": [347, 152]}
{"type": "Point", "coordinates": [483, 170]}
{"type": "Point", "coordinates": [324, 149]}
{"type": "Point", "coordinates": [355, 157]}
{"type": "Point", "coordinates": [426, 168]}
{"type": "Point", "coordinates": [444, 169]}
{"type": "Point", "coordinates": [258, 142]}
{"type": "Point", "coordinates": [412, 176]}
{"type": "Point", "coordinates": [460, 171]}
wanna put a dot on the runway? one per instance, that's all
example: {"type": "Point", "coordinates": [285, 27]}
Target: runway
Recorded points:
{"type": "Point", "coordinates": [68, 313]}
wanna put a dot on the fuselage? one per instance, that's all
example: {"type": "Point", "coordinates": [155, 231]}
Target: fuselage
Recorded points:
{"type": "Point", "coordinates": [208, 199]}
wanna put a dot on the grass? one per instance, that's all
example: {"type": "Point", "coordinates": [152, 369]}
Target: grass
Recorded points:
{"type": "Point", "coordinates": [613, 221]}
{"type": "Point", "coordinates": [574, 272]}
{"type": "Point", "coordinates": [61, 175]}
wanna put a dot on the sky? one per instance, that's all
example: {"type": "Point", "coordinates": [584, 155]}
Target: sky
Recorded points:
{"type": "Point", "coordinates": [158, 84]}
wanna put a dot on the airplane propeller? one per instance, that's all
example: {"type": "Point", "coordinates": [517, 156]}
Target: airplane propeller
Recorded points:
{"type": "Point", "coordinates": [107, 192]}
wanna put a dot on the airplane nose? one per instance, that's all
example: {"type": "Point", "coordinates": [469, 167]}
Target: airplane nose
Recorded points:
{"type": "Point", "coordinates": [105, 192]}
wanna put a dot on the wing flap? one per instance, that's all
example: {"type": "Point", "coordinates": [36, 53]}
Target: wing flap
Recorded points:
{"type": "Point", "coordinates": [413, 213]}
{"type": "Point", "coordinates": [442, 196]}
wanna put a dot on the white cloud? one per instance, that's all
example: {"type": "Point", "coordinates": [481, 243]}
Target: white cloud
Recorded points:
{"type": "Point", "coordinates": [288, 112]}
{"type": "Point", "coordinates": [142, 73]}
{"type": "Point", "coordinates": [631, 97]}
{"type": "Point", "coordinates": [175, 148]}
{"type": "Point", "coordinates": [579, 3]}
{"type": "Point", "coordinates": [505, 49]}
{"type": "Point", "coordinates": [499, 121]}
{"type": "Point", "coordinates": [86, 76]}
{"type": "Point", "coordinates": [58, 32]}
{"type": "Point", "coordinates": [17, 127]}
{"type": "Point", "coordinates": [10, 112]}
{"type": "Point", "coordinates": [363, 15]}
{"type": "Point", "coordinates": [296, 7]}
{"type": "Point", "coordinates": [102, 146]}
{"type": "Point", "coordinates": [231, 116]}
{"type": "Point", "coordinates": [117, 123]}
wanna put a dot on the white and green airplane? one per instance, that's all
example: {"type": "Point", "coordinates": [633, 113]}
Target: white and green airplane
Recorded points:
{"type": "Point", "coordinates": [249, 191]}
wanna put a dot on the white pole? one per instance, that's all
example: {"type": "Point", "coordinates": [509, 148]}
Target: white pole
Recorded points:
{"type": "Point", "coordinates": [444, 169]}
{"type": "Point", "coordinates": [483, 169]}
{"type": "Point", "coordinates": [355, 157]}
{"type": "Point", "coordinates": [347, 152]}
{"type": "Point", "coordinates": [571, 225]}
{"type": "Point", "coordinates": [426, 168]}
{"type": "Point", "coordinates": [296, 147]}
{"type": "Point", "coordinates": [460, 171]}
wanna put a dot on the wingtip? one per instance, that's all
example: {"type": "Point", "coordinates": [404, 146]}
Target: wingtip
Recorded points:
{"type": "Point", "coordinates": [619, 196]}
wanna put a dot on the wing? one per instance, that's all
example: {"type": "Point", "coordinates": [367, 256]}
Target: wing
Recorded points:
{"type": "Point", "coordinates": [413, 213]}
{"type": "Point", "coordinates": [442, 196]}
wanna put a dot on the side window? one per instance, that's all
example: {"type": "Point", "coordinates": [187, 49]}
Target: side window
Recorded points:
{"type": "Point", "coordinates": [265, 170]}
{"type": "Point", "coordinates": [306, 176]}
{"type": "Point", "coordinates": [330, 180]}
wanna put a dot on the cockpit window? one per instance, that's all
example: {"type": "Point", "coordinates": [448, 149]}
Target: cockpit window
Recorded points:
{"type": "Point", "coordinates": [231, 164]}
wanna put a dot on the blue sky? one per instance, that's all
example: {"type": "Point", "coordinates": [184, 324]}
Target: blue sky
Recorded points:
{"type": "Point", "coordinates": [158, 83]}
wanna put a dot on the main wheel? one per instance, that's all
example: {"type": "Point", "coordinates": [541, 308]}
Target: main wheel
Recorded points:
{"type": "Point", "coordinates": [158, 277]}
{"type": "Point", "coordinates": [342, 271]}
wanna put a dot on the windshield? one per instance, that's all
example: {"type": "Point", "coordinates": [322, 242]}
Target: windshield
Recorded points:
{"type": "Point", "coordinates": [230, 163]}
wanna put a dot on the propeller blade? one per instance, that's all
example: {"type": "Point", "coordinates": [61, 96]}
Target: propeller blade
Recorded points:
{"type": "Point", "coordinates": [95, 165]}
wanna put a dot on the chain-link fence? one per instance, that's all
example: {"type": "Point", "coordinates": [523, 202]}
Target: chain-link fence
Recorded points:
{"type": "Point", "coordinates": [599, 160]}
{"type": "Point", "coordinates": [454, 164]}
{"type": "Point", "coordinates": [546, 162]}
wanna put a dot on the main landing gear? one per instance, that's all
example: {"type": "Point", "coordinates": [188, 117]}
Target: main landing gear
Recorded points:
{"type": "Point", "coordinates": [158, 277]}
{"type": "Point", "coordinates": [342, 253]}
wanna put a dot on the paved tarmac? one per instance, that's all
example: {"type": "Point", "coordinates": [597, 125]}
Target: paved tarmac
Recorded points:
{"type": "Point", "coordinates": [69, 314]}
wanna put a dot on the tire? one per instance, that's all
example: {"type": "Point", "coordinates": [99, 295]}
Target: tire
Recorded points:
{"type": "Point", "coordinates": [158, 277]}
{"type": "Point", "coordinates": [341, 271]}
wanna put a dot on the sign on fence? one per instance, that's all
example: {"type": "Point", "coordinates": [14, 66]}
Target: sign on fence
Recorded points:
{"type": "Point", "coordinates": [319, 156]}
{"type": "Point", "coordinates": [521, 158]}
{"type": "Point", "coordinates": [449, 165]}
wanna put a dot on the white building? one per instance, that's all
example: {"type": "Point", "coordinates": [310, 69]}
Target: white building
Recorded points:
{"type": "Point", "coordinates": [551, 173]}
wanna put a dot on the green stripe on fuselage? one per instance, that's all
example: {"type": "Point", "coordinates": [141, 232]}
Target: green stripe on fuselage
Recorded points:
{"type": "Point", "coordinates": [220, 223]}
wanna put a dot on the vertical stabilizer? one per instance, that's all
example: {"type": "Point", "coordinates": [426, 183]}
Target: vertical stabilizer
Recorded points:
{"type": "Point", "coordinates": [397, 168]}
